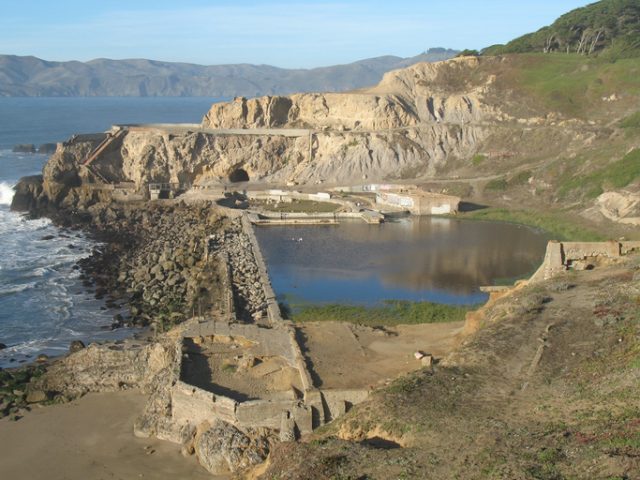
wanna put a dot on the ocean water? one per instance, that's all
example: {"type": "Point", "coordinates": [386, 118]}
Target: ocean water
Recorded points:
{"type": "Point", "coordinates": [43, 303]}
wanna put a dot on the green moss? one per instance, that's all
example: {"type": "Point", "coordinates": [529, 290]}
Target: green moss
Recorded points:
{"type": "Point", "coordinates": [229, 368]}
{"type": "Point", "coordinates": [391, 312]}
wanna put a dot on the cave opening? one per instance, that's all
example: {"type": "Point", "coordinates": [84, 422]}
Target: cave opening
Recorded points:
{"type": "Point", "coordinates": [239, 175]}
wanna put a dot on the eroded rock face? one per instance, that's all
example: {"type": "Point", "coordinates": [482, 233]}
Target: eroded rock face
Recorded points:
{"type": "Point", "coordinates": [103, 368]}
{"type": "Point", "coordinates": [621, 207]}
{"type": "Point", "coordinates": [29, 194]}
{"type": "Point", "coordinates": [223, 448]}
{"type": "Point", "coordinates": [422, 93]}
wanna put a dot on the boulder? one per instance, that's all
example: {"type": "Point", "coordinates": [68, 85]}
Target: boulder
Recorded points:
{"type": "Point", "coordinates": [29, 194]}
{"type": "Point", "coordinates": [47, 148]}
{"type": "Point", "coordinates": [76, 346]}
{"type": "Point", "coordinates": [24, 148]}
{"type": "Point", "coordinates": [223, 448]}
{"type": "Point", "coordinates": [37, 396]}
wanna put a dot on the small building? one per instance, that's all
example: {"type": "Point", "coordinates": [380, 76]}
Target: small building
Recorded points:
{"type": "Point", "coordinates": [419, 202]}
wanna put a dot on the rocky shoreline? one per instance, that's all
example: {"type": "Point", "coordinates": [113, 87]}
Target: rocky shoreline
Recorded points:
{"type": "Point", "coordinates": [151, 262]}
{"type": "Point", "coordinates": [154, 260]}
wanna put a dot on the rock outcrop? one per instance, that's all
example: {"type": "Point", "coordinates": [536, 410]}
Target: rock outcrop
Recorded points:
{"type": "Point", "coordinates": [109, 367]}
{"type": "Point", "coordinates": [223, 448]}
{"type": "Point", "coordinates": [411, 97]}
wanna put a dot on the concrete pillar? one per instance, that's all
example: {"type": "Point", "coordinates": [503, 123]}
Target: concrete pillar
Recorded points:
{"type": "Point", "coordinates": [287, 427]}
{"type": "Point", "coordinates": [303, 418]}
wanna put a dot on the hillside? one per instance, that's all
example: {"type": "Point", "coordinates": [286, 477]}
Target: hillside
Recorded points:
{"type": "Point", "coordinates": [547, 389]}
{"type": "Point", "coordinates": [30, 76]}
{"type": "Point", "coordinates": [610, 27]}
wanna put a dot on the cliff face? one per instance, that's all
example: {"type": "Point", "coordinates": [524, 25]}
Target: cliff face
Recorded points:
{"type": "Point", "coordinates": [417, 121]}
{"type": "Point", "coordinates": [404, 98]}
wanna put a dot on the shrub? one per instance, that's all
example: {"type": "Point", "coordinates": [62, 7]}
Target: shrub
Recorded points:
{"type": "Point", "coordinates": [478, 159]}
{"type": "Point", "coordinates": [497, 185]}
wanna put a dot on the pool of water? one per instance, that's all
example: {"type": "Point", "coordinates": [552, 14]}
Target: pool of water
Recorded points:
{"type": "Point", "coordinates": [418, 258]}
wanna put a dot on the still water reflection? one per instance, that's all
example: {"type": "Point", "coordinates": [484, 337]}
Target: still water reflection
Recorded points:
{"type": "Point", "coordinates": [419, 259]}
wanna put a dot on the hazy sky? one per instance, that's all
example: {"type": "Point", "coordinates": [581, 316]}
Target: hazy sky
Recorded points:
{"type": "Point", "coordinates": [285, 33]}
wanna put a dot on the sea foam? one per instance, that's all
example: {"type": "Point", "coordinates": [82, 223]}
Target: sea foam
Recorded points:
{"type": "Point", "coordinates": [6, 193]}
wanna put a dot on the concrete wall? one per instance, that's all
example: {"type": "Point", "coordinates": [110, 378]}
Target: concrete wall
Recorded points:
{"type": "Point", "coordinates": [273, 309]}
{"type": "Point", "coordinates": [419, 203]}
{"type": "Point", "coordinates": [560, 255]}
{"type": "Point", "coordinates": [193, 405]}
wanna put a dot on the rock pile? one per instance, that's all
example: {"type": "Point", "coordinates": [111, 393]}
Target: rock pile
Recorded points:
{"type": "Point", "coordinates": [154, 257]}
{"type": "Point", "coordinates": [250, 301]}
{"type": "Point", "coordinates": [14, 395]}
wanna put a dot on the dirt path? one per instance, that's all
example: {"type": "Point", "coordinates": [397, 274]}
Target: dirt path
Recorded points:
{"type": "Point", "coordinates": [89, 439]}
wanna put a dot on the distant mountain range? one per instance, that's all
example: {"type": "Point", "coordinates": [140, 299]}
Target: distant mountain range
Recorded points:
{"type": "Point", "coordinates": [33, 77]}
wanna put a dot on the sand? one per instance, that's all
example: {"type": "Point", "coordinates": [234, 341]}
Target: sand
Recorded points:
{"type": "Point", "coordinates": [341, 355]}
{"type": "Point", "coordinates": [90, 439]}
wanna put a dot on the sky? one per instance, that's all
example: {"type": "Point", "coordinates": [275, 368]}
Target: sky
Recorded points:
{"type": "Point", "coordinates": [284, 33]}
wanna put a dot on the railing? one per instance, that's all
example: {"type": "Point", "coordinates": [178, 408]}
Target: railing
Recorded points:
{"type": "Point", "coordinates": [102, 146]}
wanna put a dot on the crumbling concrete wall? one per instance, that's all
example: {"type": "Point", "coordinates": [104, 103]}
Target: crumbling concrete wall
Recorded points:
{"type": "Point", "coordinates": [561, 256]}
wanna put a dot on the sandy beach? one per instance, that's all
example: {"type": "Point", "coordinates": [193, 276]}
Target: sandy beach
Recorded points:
{"type": "Point", "coordinates": [90, 439]}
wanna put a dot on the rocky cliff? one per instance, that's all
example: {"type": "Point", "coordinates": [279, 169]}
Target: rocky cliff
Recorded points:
{"type": "Point", "coordinates": [416, 122]}
{"type": "Point", "coordinates": [409, 97]}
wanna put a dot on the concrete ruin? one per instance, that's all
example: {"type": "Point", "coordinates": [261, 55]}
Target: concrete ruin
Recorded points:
{"type": "Point", "coordinates": [250, 374]}
{"type": "Point", "coordinates": [419, 202]}
{"type": "Point", "coordinates": [561, 257]}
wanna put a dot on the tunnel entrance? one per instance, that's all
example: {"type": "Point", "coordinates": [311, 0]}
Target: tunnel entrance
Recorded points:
{"type": "Point", "coordinates": [239, 175]}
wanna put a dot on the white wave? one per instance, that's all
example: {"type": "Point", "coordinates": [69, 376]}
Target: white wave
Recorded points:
{"type": "Point", "coordinates": [16, 288]}
{"type": "Point", "coordinates": [6, 193]}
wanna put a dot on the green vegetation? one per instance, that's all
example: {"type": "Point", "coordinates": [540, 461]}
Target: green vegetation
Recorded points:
{"type": "Point", "coordinates": [559, 227]}
{"type": "Point", "coordinates": [468, 53]}
{"type": "Point", "coordinates": [13, 385]}
{"type": "Point", "coordinates": [610, 26]}
{"type": "Point", "coordinates": [298, 206]}
{"type": "Point", "coordinates": [496, 185]}
{"type": "Point", "coordinates": [478, 159]}
{"type": "Point", "coordinates": [616, 175]}
{"type": "Point", "coordinates": [501, 184]}
{"type": "Point", "coordinates": [570, 84]}
{"type": "Point", "coordinates": [391, 312]}
{"type": "Point", "coordinates": [632, 121]}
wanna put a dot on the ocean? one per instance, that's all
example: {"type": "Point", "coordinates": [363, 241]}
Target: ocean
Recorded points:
{"type": "Point", "coordinates": [43, 302]}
